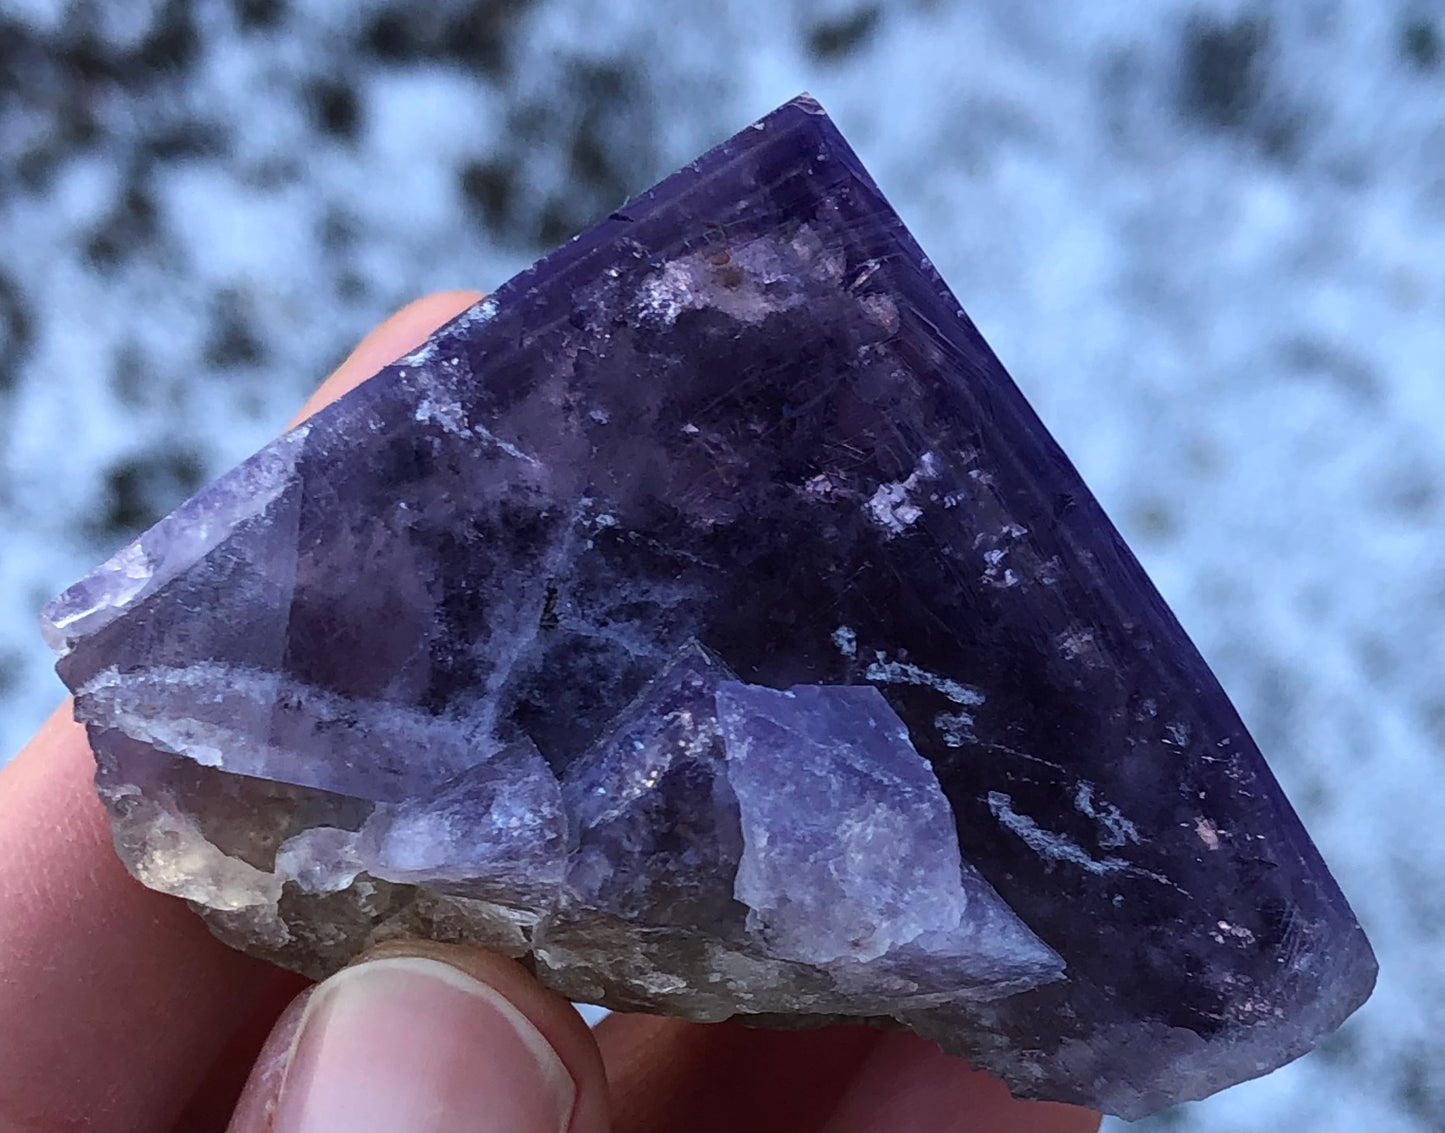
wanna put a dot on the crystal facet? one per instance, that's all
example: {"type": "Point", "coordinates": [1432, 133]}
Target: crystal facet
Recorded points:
{"type": "Point", "coordinates": [707, 615]}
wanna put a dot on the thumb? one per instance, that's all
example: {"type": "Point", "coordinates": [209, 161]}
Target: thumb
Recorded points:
{"type": "Point", "coordinates": [418, 1037]}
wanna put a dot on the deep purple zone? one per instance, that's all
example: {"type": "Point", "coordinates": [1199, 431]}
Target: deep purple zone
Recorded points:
{"type": "Point", "coordinates": [1091, 688]}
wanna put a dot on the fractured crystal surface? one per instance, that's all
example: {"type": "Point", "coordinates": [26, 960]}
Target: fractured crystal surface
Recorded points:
{"type": "Point", "coordinates": [707, 615]}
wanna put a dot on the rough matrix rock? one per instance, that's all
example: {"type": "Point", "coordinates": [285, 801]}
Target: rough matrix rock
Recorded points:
{"type": "Point", "coordinates": [707, 615]}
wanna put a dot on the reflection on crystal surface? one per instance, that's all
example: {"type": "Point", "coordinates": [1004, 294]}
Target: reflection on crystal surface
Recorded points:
{"type": "Point", "coordinates": [794, 834]}
{"type": "Point", "coordinates": [708, 615]}
{"type": "Point", "coordinates": [655, 819]}
{"type": "Point", "coordinates": [850, 855]}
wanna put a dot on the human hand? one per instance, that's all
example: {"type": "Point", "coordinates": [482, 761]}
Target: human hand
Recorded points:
{"type": "Point", "coordinates": [118, 1010]}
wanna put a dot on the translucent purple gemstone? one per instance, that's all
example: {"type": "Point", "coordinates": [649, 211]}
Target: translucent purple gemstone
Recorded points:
{"type": "Point", "coordinates": [707, 614]}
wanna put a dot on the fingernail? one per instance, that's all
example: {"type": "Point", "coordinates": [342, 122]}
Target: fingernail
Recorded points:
{"type": "Point", "coordinates": [413, 1045]}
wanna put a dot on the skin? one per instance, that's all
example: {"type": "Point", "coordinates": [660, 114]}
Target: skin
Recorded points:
{"type": "Point", "coordinates": [122, 1012]}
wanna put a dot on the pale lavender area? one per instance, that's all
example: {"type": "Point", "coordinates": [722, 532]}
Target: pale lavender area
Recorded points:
{"type": "Point", "coordinates": [1208, 243]}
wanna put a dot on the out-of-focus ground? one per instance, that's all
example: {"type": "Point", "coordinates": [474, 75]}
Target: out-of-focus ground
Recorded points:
{"type": "Point", "coordinates": [1208, 239]}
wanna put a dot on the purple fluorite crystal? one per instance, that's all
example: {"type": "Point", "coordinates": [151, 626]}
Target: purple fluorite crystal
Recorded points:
{"type": "Point", "coordinates": [707, 615]}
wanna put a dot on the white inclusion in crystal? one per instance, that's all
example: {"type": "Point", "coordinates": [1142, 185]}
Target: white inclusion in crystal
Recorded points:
{"type": "Point", "coordinates": [882, 310]}
{"type": "Point", "coordinates": [1208, 833]}
{"type": "Point", "coordinates": [482, 311]}
{"type": "Point", "coordinates": [474, 316]}
{"type": "Point", "coordinates": [507, 447]}
{"type": "Point", "coordinates": [436, 407]}
{"type": "Point", "coordinates": [1047, 844]}
{"type": "Point", "coordinates": [1078, 643]}
{"type": "Point", "coordinates": [955, 728]}
{"type": "Point", "coordinates": [666, 294]}
{"type": "Point", "coordinates": [892, 506]}
{"type": "Point", "coordinates": [885, 671]}
{"type": "Point", "coordinates": [446, 412]}
{"type": "Point", "coordinates": [846, 641]}
{"type": "Point", "coordinates": [1117, 830]}
{"type": "Point", "coordinates": [747, 281]}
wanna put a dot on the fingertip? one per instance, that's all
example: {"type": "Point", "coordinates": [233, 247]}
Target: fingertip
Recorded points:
{"type": "Point", "coordinates": [423, 1036]}
{"type": "Point", "coordinates": [558, 1021]}
{"type": "Point", "coordinates": [255, 1110]}
{"type": "Point", "coordinates": [665, 1073]}
{"type": "Point", "coordinates": [395, 336]}
{"type": "Point", "coordinates": [115, 999]}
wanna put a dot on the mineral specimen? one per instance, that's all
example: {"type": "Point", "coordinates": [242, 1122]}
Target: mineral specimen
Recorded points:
{"type": "Point", "coordinates": [707, 616]}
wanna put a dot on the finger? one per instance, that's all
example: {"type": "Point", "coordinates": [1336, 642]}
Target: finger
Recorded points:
{"type": "Point", "coordinates": [666, 1074]}
{"type": "Point", "coordinates": [110, 993]}
{"type": "Point", "coordinates": [211, 1106]}
{"type": "Point", "coordinates": [115, 999]}
{"type": "Point", "coordinates": [400, 334]}
{"type": "Point", "coordinates": [422, 1038]}
{"type": "Point", "coordinates": [908, 1083]}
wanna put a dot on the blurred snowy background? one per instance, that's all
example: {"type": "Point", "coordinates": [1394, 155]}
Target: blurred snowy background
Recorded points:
{"type": "Point", "coordinates": [1208, 239]}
